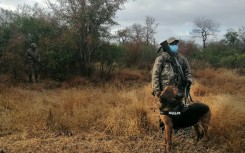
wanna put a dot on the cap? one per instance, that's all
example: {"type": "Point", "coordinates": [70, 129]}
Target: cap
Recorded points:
{"type": "Point", "coordinates": [172, 39]}
{"type": "Point", "coordinates": [33, 45]}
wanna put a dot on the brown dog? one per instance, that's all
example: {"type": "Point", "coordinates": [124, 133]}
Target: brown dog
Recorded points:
{"type": "Point", "coordinates": [175, 116]}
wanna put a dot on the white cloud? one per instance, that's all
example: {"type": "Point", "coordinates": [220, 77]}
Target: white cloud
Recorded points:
{"type": "Point", "coordinates": [175, 18]}
{"type": "Point", "coordinates": [12, 4]}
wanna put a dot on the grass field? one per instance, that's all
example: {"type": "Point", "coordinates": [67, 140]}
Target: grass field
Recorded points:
{"type": "Point", "coordinates": [116, 117]}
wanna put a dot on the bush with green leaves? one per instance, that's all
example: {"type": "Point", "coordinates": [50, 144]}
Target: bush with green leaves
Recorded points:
{"type": "Point", "coordinates": [221, 55]}
{"type": "Point", "coordinates": [241, 61]}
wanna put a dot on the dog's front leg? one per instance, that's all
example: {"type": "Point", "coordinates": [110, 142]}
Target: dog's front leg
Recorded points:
{"type": "Point", "coordinates": [167, 132]}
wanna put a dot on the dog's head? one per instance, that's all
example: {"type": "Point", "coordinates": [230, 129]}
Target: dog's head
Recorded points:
{"type": "Point", "coordinates": [170, 96]}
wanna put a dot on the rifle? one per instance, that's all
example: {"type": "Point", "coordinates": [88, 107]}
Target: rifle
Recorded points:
{"type": "Point", "coordinates": [179, 68]}
{"type": "Point", "coordinates": [176, 64]}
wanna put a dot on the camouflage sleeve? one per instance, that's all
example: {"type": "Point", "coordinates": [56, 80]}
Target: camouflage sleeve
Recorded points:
{"type": "Point", "coordinates": [28, 55]}
{"type": "Point", "coordinates": [27, 52]}
{"type": "Point", "coordinates": [187, 69]}
{"type": "Point", "coordinates": [156, 74]}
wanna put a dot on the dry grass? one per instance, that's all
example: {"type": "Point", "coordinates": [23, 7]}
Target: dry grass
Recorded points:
{"type": "Point", "coordinates": [221, 81]}
{"type": "Point", "coordinates": [116, 117]}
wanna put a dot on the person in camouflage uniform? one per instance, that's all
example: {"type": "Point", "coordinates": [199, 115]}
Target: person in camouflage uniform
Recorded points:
{"type": "Point", "coordinates": [32, 62]}
{"type": "Point", "coordinates": [165, 71]}
{"type": "Point", "coordinates": [170, 68]}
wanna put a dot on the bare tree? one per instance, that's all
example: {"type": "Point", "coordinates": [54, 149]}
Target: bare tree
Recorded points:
{"type": "Point", "coordinates": [241, 36]}
{"type": "Point", "coordinates": [241, 33]}
{"type": "Point", "coordinates": [204, 28]}
{"type": "Point", "coordinates": [137, 33]}
{"type": "Point", "coordinates": [150, 30]}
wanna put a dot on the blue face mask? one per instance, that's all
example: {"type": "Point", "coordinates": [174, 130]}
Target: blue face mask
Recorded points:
{"type": "Point", "coordinates": [173, 48]}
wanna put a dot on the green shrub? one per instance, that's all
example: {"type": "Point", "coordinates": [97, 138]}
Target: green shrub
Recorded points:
{"type": "Point", "coordinates": [229, 61]}
{"type": "Point", "coordinates": [241, 61]}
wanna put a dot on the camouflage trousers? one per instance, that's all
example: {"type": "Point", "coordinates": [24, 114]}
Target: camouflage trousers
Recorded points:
{"type": "Point", "coordinates": [32, 69]}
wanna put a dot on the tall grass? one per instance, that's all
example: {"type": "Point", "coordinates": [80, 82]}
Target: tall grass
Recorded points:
{"type": "Point", "coordinates": [122, 110]}
{"type": "Point", "coordinates": [72, 110]}
{"type": "Point", "coordinates": [221, 81]}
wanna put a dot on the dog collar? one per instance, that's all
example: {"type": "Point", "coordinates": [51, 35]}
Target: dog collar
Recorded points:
{"type": "Point", "coordinates": [173, 113]}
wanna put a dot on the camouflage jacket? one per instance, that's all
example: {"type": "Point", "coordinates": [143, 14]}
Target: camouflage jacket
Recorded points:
{"type": "Point", "coordinates": [32, 56]}
{"type": "Point", "coordinates": [164, 74]}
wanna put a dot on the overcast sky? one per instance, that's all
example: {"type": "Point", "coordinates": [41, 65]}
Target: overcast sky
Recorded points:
{"type": "Point", "coordinates": [174, 18]}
